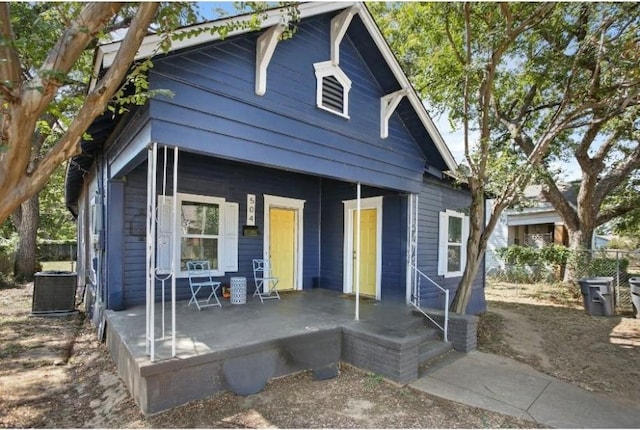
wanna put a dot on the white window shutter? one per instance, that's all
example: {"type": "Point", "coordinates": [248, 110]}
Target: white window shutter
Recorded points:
{"type": "Point", "coordinates": [164, 234]}
{"type": "Point", "coordinates": [229, 261]}
{"type": "Point", "coordinates": [465, 238]}
{"type": "Point", "coordinates": [443, 228]}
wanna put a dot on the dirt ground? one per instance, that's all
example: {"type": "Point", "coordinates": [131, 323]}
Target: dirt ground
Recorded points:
{"type": "Point", "coordinates": [54, 374]}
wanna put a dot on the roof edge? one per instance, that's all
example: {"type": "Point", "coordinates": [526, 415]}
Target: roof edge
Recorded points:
{"type": "Point", "coordinates": [148, 47]}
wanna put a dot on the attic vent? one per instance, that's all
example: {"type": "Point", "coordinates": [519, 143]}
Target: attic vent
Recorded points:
{"type": "Point", "coordinates": [332, 94]}
{"type": "Point", "coordinates": [332, 88]}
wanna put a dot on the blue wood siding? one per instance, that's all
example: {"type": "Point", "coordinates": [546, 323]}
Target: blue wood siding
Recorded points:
{"type": "Point", "coordinates": [323, 222]}
{"type": "Point", "coordinates": [437, 196]}
{"type": "Point", "coordinates": [332, 231]}
{"type": "Point", "coordinates": [115, 226]}
{"type": "Point", "coordinates": [232, 181]}
{"type": "Point", "coordinates": [214, 110]}
{"type": "Point", "coordinates": [394, 247]}
{"type": "Point", "coordinates": [135, 233]}
{"type": "Point", "coordinates": [394, 235]}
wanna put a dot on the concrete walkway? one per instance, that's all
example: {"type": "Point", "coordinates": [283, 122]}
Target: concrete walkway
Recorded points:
{"type": "Point", "coordinates": [503, 385]}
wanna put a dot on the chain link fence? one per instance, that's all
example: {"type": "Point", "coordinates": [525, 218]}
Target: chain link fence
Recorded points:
{"type": "Point", "coordinates": [620, 265]}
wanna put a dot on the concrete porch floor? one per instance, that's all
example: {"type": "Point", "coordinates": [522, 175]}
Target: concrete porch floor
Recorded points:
{"type": "Point", "coordinates": [216, 329]}
{"type": "Point", "coordinates": [240, 347]}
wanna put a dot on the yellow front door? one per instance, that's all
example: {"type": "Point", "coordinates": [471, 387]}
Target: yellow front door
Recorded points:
{"type": "Point", "coordinates": [282, 246]}
{"type": "Point", "coordinates": [368, 250]}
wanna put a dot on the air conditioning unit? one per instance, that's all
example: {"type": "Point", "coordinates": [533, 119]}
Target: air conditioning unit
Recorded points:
{"type": "Point", "coordinates": [54, 293]}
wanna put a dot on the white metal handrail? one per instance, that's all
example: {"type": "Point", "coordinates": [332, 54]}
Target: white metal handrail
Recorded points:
{"type": "Point", "coordinates": [445, 325]}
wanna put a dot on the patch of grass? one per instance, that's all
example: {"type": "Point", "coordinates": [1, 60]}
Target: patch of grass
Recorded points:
{"type": "Point", "coordinates": [560, 293]}
{"type": "Point", "coordinates": [7, 281]}
{"type": "Point", "coordinates": [405, 392]}
{"type": "Point", "coordinates": [374, 380]}
{"type": "Point", "coordinates": [11, 349]}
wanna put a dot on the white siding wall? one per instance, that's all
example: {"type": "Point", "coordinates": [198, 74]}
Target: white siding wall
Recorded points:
{"type": "Point", "coordinates": [497, 240]}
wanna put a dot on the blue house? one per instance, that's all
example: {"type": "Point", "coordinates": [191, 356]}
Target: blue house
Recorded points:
{"type": "Point", "coordinates": [313, 152]}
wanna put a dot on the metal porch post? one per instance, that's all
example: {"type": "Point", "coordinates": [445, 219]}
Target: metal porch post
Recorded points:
{"type": "Point", "coordinates": [413, 293]}
{"type": "Point", "coordinates": [357, 280]}
{"type": "Point", "coordinates": [152, 159]}
{"type": "Point", "coordinates": [174, 216]}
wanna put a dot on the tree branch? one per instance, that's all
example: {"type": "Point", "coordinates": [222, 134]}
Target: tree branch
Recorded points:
{"type": "Point", "coordinates": [620, 173]}
{"type": "Point", "coordinates": [10, 70]}
{"type": "Point", "coordinates": [20, 118]}
{"type": "Point", "coordinates": [93, 106]}
{"type": "Point", "coordinates": [486, 88]}
{"type": "Point", "coordinates": [603, 151]}
{"type": "Point", "coordinates": [465, 90]}
{"type": "Point", "coordinates": [619, 210]}
{"type": "Point", "coordinates": [582, 151]}
{"type": "Point", "coordinates": [506, 12]}
{"type": "Point", "coordinates": [539, 14]}
{"type": "Point", "coordinates": [91, 19]}
{"type": "Point", "coordinates": [104, 90]}
{"type": "Point", "coordinates": [452, 42]}
{"type": "Point", "coordinates": [569, 213]}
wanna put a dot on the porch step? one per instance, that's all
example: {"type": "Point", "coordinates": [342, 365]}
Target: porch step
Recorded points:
{"type": "Point", "coordinates": [432, 349]}
{"type": "Point", "coordinates": [439, 362]}
{"type": "Point", "coordinates": [393, 347]}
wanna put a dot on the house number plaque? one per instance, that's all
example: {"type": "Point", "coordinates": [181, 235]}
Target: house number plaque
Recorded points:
{"type": "Point", "coordinates": [251, 209]}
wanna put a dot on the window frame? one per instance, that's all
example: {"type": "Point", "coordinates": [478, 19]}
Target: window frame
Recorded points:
{"type": "Point", "coordinates": [444, 243]}
{"type": "Point", "coordinates": [325, 69]}
{"type": "Point", "coordinates": [198, 198]}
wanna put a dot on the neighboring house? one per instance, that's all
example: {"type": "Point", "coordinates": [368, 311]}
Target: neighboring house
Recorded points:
{"type": "Point", "coordinates": [273, 140]}
{"type": "Point", "coordinates": [601, 241]}
{"type": "Point", "coordinates": [536, 225]}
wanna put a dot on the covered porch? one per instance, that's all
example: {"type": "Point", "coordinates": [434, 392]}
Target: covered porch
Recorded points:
{"type": "Point", "coordinates": [241, 347]}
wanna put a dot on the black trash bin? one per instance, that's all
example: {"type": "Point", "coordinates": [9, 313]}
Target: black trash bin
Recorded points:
{"type": "Point", "coordinates": [54, 293]}
{"type": "Point", "coordinates": [634, 284]}
{"type": "Point", "coordinates": [597, 295]}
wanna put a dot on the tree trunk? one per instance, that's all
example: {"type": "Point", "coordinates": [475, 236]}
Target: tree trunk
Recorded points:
{"type": "Point", "coordinates": [580, 242]}
{"type": "Point", "coordinates": [463, 294]}
{"type": "Point", "coordinates": [476, 246]}
{"type": "Point", "coordinates": [26, 219]}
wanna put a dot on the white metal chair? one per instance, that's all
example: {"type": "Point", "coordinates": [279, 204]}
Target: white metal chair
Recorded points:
{"type": "Point", "coordinates": [199, 278]}
{"type": "Point", "coordinates": [265, 282]}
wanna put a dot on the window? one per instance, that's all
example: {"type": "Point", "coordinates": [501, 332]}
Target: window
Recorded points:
{"type": "Point", "coordinates": [200, 230]}
{"type": "Point", "coordinates": [207, 229]}
{"type": "Point", "coordinates": [452, 244]}
{"type": "Point", "coordinates": [332, 88]}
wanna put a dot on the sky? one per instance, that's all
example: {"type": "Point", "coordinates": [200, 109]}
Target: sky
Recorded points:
{"type": "Point", "coordinates": [455, 142]}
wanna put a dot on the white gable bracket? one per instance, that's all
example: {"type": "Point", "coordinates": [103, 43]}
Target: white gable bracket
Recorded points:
{"type": "Point", "coordinates": [388, 105]}
{"type": "Point", "coordinates": [339, 25]}
{"type": "Point", "coordinates": [265, 47]}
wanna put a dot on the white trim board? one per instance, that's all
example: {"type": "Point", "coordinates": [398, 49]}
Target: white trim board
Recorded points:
{"type": "Point", "coordinates": [106, 53]}
{"type": "Point", "coordinates": [350, 206]}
